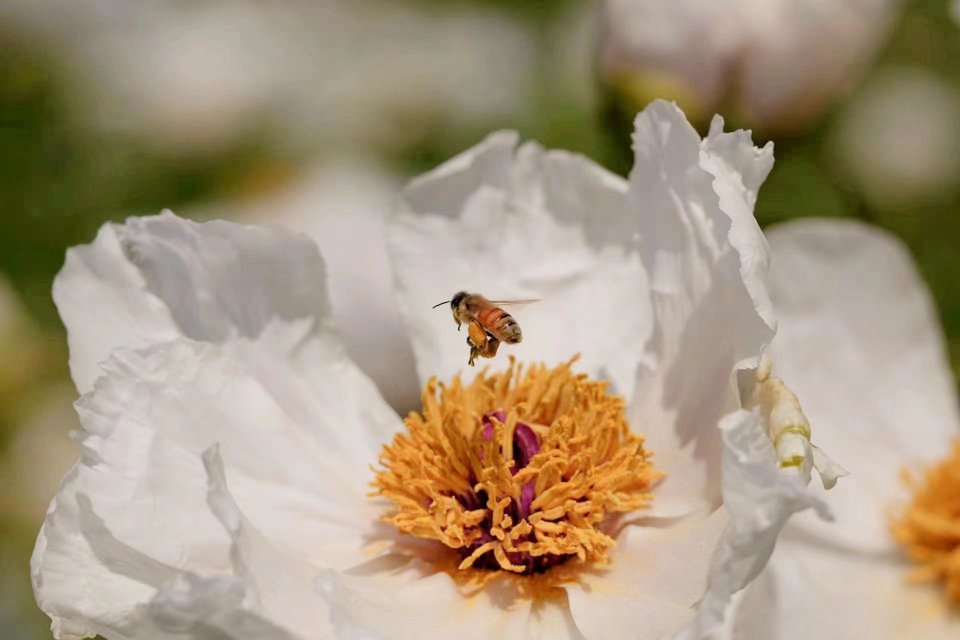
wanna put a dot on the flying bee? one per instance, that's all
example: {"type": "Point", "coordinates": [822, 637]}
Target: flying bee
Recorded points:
{"type": "Point", "coordinates": [488, 325]}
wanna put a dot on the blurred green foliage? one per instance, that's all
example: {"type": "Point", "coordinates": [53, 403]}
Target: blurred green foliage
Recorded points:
{"type": "Point", "coordinates": [59, 182]}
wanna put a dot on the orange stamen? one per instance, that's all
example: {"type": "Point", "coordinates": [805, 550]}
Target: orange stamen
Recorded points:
{"type": "Point", "coordinates": [454, 483]}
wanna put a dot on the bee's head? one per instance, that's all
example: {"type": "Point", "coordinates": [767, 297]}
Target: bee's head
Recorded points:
{"type": "Point", "coordinates": [458, 297]}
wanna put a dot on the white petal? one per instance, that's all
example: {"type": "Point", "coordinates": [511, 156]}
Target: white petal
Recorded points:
{"type": "Point", "coordinates": [297, 423]}
{"type": "Point", "coordinates": [75, 580]}
{"type": "Point", "coordinates": [92, 583]}
{"type": "Point", "coordinates": [524, 223]}
{"type": "Point", "coordinates": [706, 263]}
{"type": "Point", "coordinates": [410, 606]}
{"type": "Point", "coordinates": [654, 580]}
{"type": "Point", "coordinates": [191, 607]}
{"type": "Point", "coordinates": [739, 169]}
{"type": "Point", "coordinates": [761, 498]}
{"type": "Point", "coordinates": [104, 302]}
{"type": "Point", "coordinates": [814, 591]}
{"type": "Point", "coordinates": [153, 279]}
{"type": "Point", "coordinates": [278, 586]}
{"type": "Point", "coordinates": [860, 344]}
{"type": "Point", "coordinates": [343, 207]}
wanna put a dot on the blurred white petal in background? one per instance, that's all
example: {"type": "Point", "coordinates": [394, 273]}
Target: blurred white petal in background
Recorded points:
{"type": "Point", "coordinates": [899, 138]}
{"type": "Point", "coordinates": [196, 74]}
{"type": "Point", "coordinates": [779, 61]}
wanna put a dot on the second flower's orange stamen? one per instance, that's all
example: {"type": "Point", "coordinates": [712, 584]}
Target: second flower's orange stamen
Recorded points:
{"type": "Point", "coordinates": [929, 529]}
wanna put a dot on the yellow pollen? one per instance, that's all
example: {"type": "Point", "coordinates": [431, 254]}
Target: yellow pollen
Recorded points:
{"type": "Point", "coordinates": [460, 474]}
{"type": "Point", "coordinates": [929, 529]}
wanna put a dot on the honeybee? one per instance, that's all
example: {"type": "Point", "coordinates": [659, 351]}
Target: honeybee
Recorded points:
{"type": "Point", "coordinates": [487, 324]}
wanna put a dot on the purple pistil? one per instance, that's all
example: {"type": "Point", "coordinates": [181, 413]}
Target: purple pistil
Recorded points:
{"type": "Point", "coordinates": [525, 446]}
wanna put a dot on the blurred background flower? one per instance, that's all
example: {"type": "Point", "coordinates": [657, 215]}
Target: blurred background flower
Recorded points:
{"type": "Point", "coordinates": [310, 114]}
{"type": "Point", "coordinates": [777, 63]}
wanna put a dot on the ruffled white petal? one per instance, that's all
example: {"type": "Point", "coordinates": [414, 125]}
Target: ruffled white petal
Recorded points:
{"type": "Point", "coordinates": [739, 169]}
{"type": "Point", "coordinates": [706, 262]}
{"type": "Point", "coordinates": [191, 607]}
{"type": "Point", "coordinates": [761, 497]}
{"type": "Point", "coordinates": [652, 585]}
{"type": "Point", "coordinates": [104, 302]}
{"type": "Point", "coordinates": [860, 344]}
{"type": "Point", "coordinates": [523, 223]}
{"type": "Point", "coordinates": [90, 583]}
{"type": "Point", "coordinates": [815, 591]}
{"type": "Point", "coordinates": [343, 206]}
{"type": "Point", "coordinates": [297, 424]}
{"type": "Point", "coordinates": [278, 585]}
{"type": "Point", "coordinates": [68, 561]}
{"type": "Point", "coordinates": [156, 278]}
{"type": "Point", "coordinates": [138, 598]}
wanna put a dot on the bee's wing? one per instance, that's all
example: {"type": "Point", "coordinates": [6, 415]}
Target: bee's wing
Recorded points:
{"type": "Point", "coordinates": [513, 302]}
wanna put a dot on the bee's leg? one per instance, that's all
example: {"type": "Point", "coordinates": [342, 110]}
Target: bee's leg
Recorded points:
{"type": "Point", "coordinates": [479, 342]}
{"type": "Point", "coordinates": [478, 336]}
{"type": "Point", "coordinates": [474, 351]}
{"type": "Point", "coordinates": [490, 349]}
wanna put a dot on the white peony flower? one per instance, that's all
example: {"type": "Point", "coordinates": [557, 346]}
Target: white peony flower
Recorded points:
{"type": "Point", "coordinates": [222, 488]}
{"type": "Point", "coordinates": [860, 342]}
{"type": "Point", "coordinates": [779, 61]}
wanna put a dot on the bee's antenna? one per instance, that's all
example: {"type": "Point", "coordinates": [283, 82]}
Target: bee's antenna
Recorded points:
{"type": "Point", "coordinates": [442, 303]}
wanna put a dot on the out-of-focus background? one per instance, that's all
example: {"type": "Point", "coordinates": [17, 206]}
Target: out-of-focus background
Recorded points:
{"type": "Point", "coordinates": [311, 113]}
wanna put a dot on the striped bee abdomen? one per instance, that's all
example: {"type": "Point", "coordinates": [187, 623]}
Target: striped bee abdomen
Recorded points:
{"type": "Point", "coordinates": [501, 324]}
